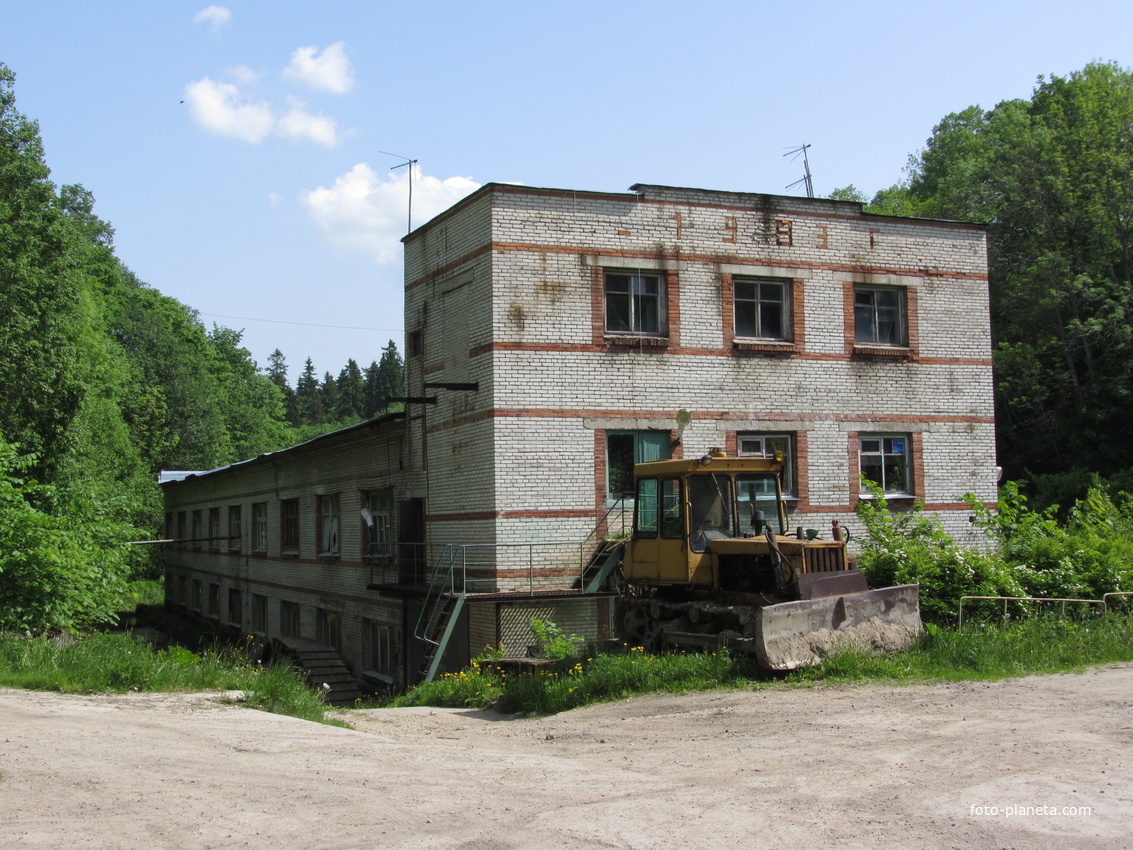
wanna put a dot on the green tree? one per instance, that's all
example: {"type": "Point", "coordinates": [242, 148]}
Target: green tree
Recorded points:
{"type": "Point", "coordinates": [63, 562]}
{"type": "Point", "coordinates": [308, 397]}
{"type": "Point", "coordinates": [391, 376]}
{"type": "Point", "coordinates": [41, 363]}
{"type": "Point", "coordinates": [1053, 178]}
{"type": "Point", "coordinates": [251, 403]}
{"type": "Point", "coordinates": [351, 393]}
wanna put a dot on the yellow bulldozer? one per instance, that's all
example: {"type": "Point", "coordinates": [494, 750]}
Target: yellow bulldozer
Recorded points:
{"type": "Point", "coordinates": [711, 563]}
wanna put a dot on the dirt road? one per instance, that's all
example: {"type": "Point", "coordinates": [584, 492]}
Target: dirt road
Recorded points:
{"type": "Point", "coordinates": [1031, 763]}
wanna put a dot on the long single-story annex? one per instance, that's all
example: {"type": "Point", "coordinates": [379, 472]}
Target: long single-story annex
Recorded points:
{"type": "Point", "coordinates": [552, 336]}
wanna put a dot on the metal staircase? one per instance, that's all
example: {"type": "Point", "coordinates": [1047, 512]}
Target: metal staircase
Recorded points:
{"type": "Point", "coordinates": [601, 565]}
{"type": "Point", "coordinates": [440, 611]}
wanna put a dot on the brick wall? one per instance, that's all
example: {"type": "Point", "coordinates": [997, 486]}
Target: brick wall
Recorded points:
{"type": "Point", "coordinates": [553, 379]}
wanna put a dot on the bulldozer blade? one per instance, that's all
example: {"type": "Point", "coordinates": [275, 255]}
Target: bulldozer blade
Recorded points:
{"type": "Point", "coordinates": [798, 634]}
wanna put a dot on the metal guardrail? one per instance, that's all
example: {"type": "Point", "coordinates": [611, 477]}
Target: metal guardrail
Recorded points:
{"type": "Point", "coordinates": [1006, 599]}
{"type": "Point", "coordinates": [605, 528]}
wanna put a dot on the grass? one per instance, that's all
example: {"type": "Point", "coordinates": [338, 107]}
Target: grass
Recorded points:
{"type": "Point", "coordinates": [1032, 646]}
{"type": "Point", "coordinates": [118, 662]}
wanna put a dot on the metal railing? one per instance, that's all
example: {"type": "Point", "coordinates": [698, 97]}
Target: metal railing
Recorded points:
{"type": "Point", "coordinates": [1101, 603]}
{"type": "Point", "coordinates": [481, 567]}
{"type": "Point", "coordinates": [611, 524]}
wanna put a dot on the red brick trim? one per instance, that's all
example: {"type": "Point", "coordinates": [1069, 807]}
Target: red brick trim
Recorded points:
{"type": "Point", "coordinates": [774, 260]}
{"type": "Point", "coordinates": [802, 472]}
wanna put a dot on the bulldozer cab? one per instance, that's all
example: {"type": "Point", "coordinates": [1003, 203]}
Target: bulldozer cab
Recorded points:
{"type": "Point", "coordinates": [682, 506]}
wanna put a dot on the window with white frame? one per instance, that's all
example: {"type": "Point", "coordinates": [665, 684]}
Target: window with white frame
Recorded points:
{"type": "Point", "coordinates": [260, 527]}
{"type": "Point", "coordinates": [235, 527]}
{"type": "Point", "coordinates": [259, 613]}
{"type": "Point", "coordinates": [770, 445]}
{"type": "Point", "coordinates": [886, 459]}
{"type": "Point", "coordinates": [623, 450]}
{"type": "Point", "coordinates": [328, 524]}
{"type": "Point", "coordinates": [761, 309]}
{"type": "Point", "coordinates": [235, 607]}
{"type": "Point", "coordinates": [377, 518]}
{"type": "Point", "coordinates": [289, 526]}
{"type": "Point", "coordinates": [634, 303]}
{"type": "Point", "coordinates": [379, 648]}
{"type": "Point", "coordinates": [879, 315]}
{"type": "Point", "coordinates": [214, 529]}
{"type": "Point", "coordinates": [289, 619]}
{"type": "Point", "coordinates": [328, 628]}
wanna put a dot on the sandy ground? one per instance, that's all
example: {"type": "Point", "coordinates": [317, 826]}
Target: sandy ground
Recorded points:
{"type": "Point", "coordinates": [869, 766]}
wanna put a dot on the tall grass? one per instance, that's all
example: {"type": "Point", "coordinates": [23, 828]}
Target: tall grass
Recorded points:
{"type": "Point", "coordinates": [118, 662]}
{"type": "Point", "coordinates": [986, 651]}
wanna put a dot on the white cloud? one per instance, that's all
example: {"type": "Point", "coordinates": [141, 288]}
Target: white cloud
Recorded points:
{"type": "Point", "coordinates": [298, 123]}
{"type": "Point", "coordinates": [274, 199]}
{"type": "Point", "coordinates": [331, 71]}
{"type": "Point", "coordinates": [221, 109]}
{"type": "Point", "coordinates": [365, 212]}
{"type": "Point", "coordinates": [243, 75]}
{"type": "Point", "coordinates": [218, 16]}
{"type": "Point", "coordinates": [224, 109]}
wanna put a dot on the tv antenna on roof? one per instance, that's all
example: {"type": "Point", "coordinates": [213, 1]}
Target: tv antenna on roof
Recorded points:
{"type": "Point", "coordinates": [805, 179]}
{"type": "Point", "coordinates": [410, 163]}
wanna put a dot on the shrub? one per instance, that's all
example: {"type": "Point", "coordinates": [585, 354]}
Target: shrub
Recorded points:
{"type": "Point", "coordinates": [911, 547]}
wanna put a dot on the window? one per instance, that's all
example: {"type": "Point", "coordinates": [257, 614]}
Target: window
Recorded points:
{"type": "Point", "coordinates": [182, 529]}
{"type": "Point", "coordinates": [328, 524]}
{"type": "Point", "coordinates": [182, 590]}
{"type": "Point", "coordinates": [767, 445]}
{"type": "Point", "coordinates": [289, 526]}
{"type": "Point", "coordinates": [214, 529]}
{"type": "Point", "coordinates": [198, 594]}
{"type": "Point", "coordinates": [235, 607]}
{"type": "Point", "coordinates": [659, 505]}
{"type": "Point", "coordinates": [214, 601]}
{"type": "Point", "coordinates": [169, 526]}
{"type": "Point", "coordinates": [885, 460]}
{"type": "Point", "coordinates": [634, 303]}
{"type": "Point", "coordinates": [235, 528]}
{"type": "Point", "coordinates": [377, 519]}
{"type": "Point", "coordinates": [761, 308]}
{"type": "Point", "coordinates": [879, 316]}
{"type": "Point", "coordinates": [259, 613]}
{"type": "Point", "coordinates": [623, 450]}
{"type": "Point", "coordinates": [260, 527]}
{"type": "Point", "coordinates": [289, 619]}
{"type": "Point", "coordinates": [197, 530]}
{"type": "Point", "coordinates": [379, 648]}
{"type": "Point", "coordinates": [327, 629]}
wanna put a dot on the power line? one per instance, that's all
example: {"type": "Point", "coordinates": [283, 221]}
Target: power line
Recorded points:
{"type": "Point", "coordinates": [302, 324]}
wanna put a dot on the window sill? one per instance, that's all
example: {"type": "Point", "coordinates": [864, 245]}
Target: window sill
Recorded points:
{"type": "Point", "coordinates": [636, 341]}
{"type": "Point", "coordinates": [770, 347]}
{"type": "Point", "coordinates": [329, 556]}
{"type": "Point", "coordinates": [889, 497]}
{"type": "Point", "coordinates": [891, 352]}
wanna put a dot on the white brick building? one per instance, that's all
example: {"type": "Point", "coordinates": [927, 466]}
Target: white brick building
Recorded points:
{"type": "Point", "coordinates": [558, 333]}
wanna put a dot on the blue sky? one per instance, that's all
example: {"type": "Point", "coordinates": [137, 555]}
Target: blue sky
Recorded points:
{"type": "Point", "coordinates": [241, 150]}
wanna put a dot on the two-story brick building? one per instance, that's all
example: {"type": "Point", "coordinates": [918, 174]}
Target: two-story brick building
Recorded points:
{"type": "Point", "coordinates": [552, 336]}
